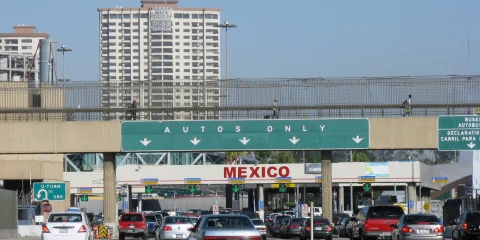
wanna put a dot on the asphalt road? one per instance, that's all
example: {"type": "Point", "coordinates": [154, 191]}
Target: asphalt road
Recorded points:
{"type": "Point", "coordinates": [269, 238]}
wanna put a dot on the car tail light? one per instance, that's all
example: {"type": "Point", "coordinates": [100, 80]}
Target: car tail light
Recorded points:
{"type": "Point", "coordinates": [407, 230]}
{"type": "Point", "coordinates": [167, 228]}
{"type": "Point", "coordinates": [307, 228]}
{"type": "Point", "coordinates": [222, 237]}
{"type": "Point", "coordinates": [465, 226]}
{"type": "Point", "coordinates": [263, 228]}
{"type": "Point", "coordinates": [82, 229]}
{"type": "Point", "coordinates": [293, 226]}
{"type": "Point", "coordinates": [190, 228]}
{"type": "Point", "coordinates": [366, 226]}
{"type": "Point", "coordinates": [439, 230]}
{"type": "Point", "coordinates": [329, 229]}
{"type": "Point", "coordinates": [45, 229]}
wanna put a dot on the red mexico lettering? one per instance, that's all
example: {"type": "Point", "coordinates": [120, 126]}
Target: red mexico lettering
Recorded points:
{"type": "Point", "coordinates": [256, 172]}
{"type": "Point", "coordinates": [242, 172]}
{"type": "Point", "coordinates": [229, 172]}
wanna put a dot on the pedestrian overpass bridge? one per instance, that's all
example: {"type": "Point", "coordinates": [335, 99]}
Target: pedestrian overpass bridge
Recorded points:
{"type": "Point", "coordinates": [105, 137]}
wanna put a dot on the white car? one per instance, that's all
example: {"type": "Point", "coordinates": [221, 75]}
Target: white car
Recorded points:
{"type": "Point", "coordinates": [66, 226]}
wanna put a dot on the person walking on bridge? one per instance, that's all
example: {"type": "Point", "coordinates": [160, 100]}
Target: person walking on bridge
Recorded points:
{"type": "Point", "coordinates": [275, 109]}
{"type": "Point", "coordinates": [133, 110]}
{"type": "Point", "coordinates": [407, 105]}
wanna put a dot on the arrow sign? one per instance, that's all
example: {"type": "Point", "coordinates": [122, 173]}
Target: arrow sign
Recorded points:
{"type": "Point", "coordinates": [367, 187]}
{"type": "Point", "coordinates": [40, 194]}
{"type": "Point", "coordinates": [192, 189]}
{"type": "Point", "coordinates": [84, 198]}
{"type": "Point", "coordinates": [195, 141]}
{"type": "Point", "coordinates": [471, 145]}
{"type": "Point", "coordinates": [145, 142]}
{"type": "Point", "coordinates": [235, 188]}
{"type": "Point", "coordinates": [148, 189]}
{"type": "Point", "coordinates": [358, 139]}
{"type": "Point", "coordinates": [244, 140]}
{"type": "Point", "coordinates": [119, 197]}
{"type": "Point", "coordinates": [282, 188]}
{"type": "Point", "coordinates": [294, 140]}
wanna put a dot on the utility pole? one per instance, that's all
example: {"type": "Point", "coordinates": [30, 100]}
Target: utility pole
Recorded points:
{"type": "Point", "coordinates": [226, 25]}
{"type": "Point", "coordinates": [64, 49]}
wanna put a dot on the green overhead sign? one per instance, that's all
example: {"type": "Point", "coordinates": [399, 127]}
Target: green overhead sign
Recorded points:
{"type": "Point", "coordinates": [51, 191]}
{"type": "Point", "coordinates": [270, 134]}
{"type": "Point", "coordinates": [458, 133]}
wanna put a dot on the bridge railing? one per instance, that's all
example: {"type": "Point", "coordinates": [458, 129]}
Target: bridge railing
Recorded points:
{"type": "Point", "coordinates": [239, 98]}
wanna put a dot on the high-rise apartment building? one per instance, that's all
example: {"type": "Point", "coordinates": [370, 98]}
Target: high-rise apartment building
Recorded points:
{"type": "Point", "coordinates": [19, 54]}
{"type": "Point", "coordinates": [160, 55]}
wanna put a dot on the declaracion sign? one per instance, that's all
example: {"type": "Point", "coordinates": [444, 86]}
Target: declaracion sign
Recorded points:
{"type": "Point", "coordinates": [458, 133]}
{"type": "Point", "coordinates": [161, 19]}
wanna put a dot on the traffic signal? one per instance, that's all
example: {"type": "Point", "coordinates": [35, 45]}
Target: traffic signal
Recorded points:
{"type": "Point", "coordinates": [367, 187]}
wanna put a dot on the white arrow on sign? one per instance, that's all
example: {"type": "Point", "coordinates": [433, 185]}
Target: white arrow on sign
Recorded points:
{"type": "Point", "coordinates": [195, 141]}
{"type": "Point", "coordinates": [471, 145]}
{"type": "Point", "coordinates": [39, 195]}
{"type": "Point", "coordinates": [244, 140]}
{"type": "Point", "coordinates": [145, 142]}
{"type": "Point", "coordinates": [358, 139]}
{"type": "Point", "coordinates": [294, 140]}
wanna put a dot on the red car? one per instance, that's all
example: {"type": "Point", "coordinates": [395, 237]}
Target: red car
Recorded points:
{"type": "Point", "coordinates": [133, 224]}
{"type": "Point", "coordinates": [376, 221]}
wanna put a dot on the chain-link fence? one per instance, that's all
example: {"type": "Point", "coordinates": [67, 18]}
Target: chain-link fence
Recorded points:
{"type": "Point", "coordinates": [240, 98]}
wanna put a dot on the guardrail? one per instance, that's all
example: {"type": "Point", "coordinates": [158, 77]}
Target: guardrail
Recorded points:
{"type": "Point", "coordinates": [236, 112]}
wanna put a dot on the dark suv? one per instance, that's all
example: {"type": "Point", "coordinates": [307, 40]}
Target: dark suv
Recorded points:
{"type": "Point", "coordinates": [468, 226]}
{"type": "Point", "coordinates": [376, 221]}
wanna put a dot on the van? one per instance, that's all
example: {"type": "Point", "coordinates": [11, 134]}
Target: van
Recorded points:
{"type": "Point", "coordinates": [376, 221]}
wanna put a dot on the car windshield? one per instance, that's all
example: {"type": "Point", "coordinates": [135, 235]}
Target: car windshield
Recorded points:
{"type": "Point", "coordinates": [385, 212]}
{"type": "Point", "coordinates": [258, 222]}
{"type": "Point", "coordinates": [473, 218]}
{"type": "Point", "coordinates": [150, 218]}
{"type": "Point", "coordinates": [229, 222]}
{"type": "Point", "coordinates": [194, 220]}
{"type": "Point", "coordinates": [420, 219]}
{"type": "Point", "coordinates": [65, 217]}
{"type": "Point", "coordinates": [132, 218]}
{"type": "Point", "coordinates": [178, 220]}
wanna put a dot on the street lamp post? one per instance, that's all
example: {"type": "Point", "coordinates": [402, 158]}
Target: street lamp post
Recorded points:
{"type": "Point", "coordinates": [64, 49]}
{"type": "Point", "coordinates": [226, 25]}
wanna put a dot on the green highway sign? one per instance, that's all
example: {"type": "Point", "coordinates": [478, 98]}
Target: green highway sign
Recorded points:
{"type": "Point", "coordinates": [148, 189]}
{"type": "Point", "coordinates": [235, 135]}
{"type": "Point", "coordinates": [84, 198]}
{"type": "Point", "coordinates": [192, 189]}
{"type": "Point", "coordinates": [282, 188]}
{"type": "Point", "coordinates": [236, 188]}
{"type": "Point", "coordinates": [367, 187]}
{"type": "Point", "coordinates": [51, 191]}
{"type": "Point", "coordinates": [458, 133]}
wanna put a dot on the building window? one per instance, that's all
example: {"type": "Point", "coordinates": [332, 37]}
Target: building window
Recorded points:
{"type": "Point", "coordinates": [27, 47]}
{"type": "Point", "coordinates": [11, 41]}
{"type": "Point", "coordinates": [177, 15]}
{"type": "Point", "coordinates": [26, 40]}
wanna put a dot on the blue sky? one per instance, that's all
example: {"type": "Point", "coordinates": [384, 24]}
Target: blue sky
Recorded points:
{"type": "Point", "coordinates": [280, 38]}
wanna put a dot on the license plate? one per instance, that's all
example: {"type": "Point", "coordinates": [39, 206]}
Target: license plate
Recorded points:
{"type": "Point", "coordinates": [423, 231]}
{"type": "Point", "coordinates": [179, 235]}
{"type": "Point", "coordinates": [318, 228]}
{"type": "Point", "coordinates": [131, 226]}
{"type": "Point", "coordinates": [63, 231]}
{"type": "Point", "coordinates": [130, 231]}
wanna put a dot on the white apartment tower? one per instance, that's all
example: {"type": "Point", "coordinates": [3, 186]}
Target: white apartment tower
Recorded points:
{"type": "Point", "coordinates": [161, 56]}
{"type": "Point", "coordinates": [19, 54]}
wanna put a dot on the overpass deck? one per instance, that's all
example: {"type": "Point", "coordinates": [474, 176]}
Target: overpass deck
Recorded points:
{"type": "Point", "coordinates": [105, 137]}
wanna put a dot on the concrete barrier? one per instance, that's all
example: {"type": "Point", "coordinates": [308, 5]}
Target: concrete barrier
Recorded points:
{"type": "Point", "coordinates": [29, 230]}
{"type": "Point", "coordinates": [8, 215]}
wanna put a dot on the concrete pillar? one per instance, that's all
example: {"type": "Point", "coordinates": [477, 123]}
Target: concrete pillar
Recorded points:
{"type": "Point", "coordinates": [259, 196]}
{"type": "Point", "coordinates": [341, 199]}
{"type": "Point", "coordinates": [327, 200]}
{"type": "Point", "coordinates": [129, 198]}
{"type": "Point", "coordinates": [304, 193]}
{"type": "Point", "coordinates": [412, 196]}
{"type": "Point", "coordinates": [109, 192]}
{"type": "Point", "coordinates": [228, 196]}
